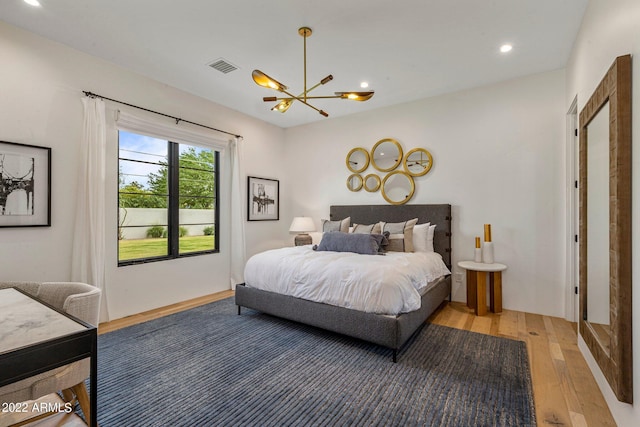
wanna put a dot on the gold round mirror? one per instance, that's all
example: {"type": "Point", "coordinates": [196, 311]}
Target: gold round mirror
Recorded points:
{"type": "Point", "coordinates": [354, 182]}
{"type": "Point", "coordinates": [372, 182]}
{"type": "Point", "coordinates": [386, 155]}
{"type": "Point", "coordinates": [418, 162]}
{"type": "Point", "coordinates": [398, 187]}
{"type": "Point", "coordinates": [358, 160]}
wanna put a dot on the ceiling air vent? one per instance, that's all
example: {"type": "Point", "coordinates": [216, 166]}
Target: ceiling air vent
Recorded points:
{"type": "Point", "coordinates": [223, 65]}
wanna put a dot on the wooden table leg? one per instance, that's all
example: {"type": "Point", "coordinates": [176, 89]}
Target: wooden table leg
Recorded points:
{"type": "Point", "coordinates": [471, 290]}
{"type": "Point", "coordinates": [481, 302]}
{"type": "Point", "coordinates": [495, 291]}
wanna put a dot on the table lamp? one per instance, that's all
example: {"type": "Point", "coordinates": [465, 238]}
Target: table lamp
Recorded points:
{"type": "Point", "coordinates": [302, 225]}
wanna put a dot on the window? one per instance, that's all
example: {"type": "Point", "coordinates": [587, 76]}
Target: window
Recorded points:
{"type": "Point", "coordinates": [167, 199]}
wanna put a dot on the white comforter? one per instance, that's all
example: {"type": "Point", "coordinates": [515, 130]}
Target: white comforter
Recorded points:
{"type": "Point", "coordinates": [384, 284]}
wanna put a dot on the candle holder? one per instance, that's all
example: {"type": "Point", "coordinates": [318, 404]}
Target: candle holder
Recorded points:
{"type": "Point", "coordinates": [478, 251]}
{"type": "Point", "coordinates": [487, 250]}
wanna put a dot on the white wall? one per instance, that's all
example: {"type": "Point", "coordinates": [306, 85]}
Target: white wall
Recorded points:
{"type": "Point", "coordinates": [611, 28]}
{"type": "Point", "coordinates": [135, 222]}
{"type": "Point", "coordinates": [41, 84]}
{"type": "Point", "coordinates": [498, 158]}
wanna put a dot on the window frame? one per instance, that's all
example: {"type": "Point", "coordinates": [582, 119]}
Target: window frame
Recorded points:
{"type": "Point", "coordinates": [173, 203]}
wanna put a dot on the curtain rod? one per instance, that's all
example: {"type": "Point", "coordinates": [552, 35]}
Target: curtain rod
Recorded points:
{"type": "Point", "coordinates": [177, 119]}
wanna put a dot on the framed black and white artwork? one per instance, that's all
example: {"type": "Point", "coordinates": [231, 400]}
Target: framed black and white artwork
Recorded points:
{"type": "Point", "coordinates": [264, 199]}
{"type": "Point", "coordinates": [25, 185]}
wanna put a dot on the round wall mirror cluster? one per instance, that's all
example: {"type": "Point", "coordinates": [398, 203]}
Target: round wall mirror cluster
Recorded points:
{"type": "Point", "coordinates": [397, 186]}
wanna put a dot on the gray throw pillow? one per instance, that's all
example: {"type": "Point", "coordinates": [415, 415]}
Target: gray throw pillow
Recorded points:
{"type": "Point", "coordinates": [382, 240]}
{"type": "Point", "coordinates": [336, 241]}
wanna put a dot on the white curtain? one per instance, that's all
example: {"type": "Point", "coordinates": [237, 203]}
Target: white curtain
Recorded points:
{"type": "Point", "coordinates": [238, 255]}
{"type": "Point", "coordinates": [88, 256]}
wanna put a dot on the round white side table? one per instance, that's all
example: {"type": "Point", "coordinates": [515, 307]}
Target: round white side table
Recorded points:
{"type": "Point", "coordinates": [477, 286]}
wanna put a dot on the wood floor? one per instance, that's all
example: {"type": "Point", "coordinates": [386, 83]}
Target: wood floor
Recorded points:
{"type": "Point", "coordinates": [565, 392]}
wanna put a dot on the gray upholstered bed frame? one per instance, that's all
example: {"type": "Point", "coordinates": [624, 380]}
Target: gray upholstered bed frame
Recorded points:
{"type": "Point", "coordinates": [389, 331]}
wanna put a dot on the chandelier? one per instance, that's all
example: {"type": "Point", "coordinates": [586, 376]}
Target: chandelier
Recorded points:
{"type": "Point", "coordinates": [283, 105]}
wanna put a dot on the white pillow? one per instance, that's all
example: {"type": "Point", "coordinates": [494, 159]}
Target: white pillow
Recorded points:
{"type": "Point", "coordinates": [423, 237]}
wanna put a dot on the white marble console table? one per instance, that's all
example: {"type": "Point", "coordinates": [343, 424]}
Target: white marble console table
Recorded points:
{"type": "Point", "coordinates": [35, 338]}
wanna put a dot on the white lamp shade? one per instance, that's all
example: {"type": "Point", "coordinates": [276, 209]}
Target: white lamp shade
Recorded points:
{"type": "Point", "coordinates": [302, 224]}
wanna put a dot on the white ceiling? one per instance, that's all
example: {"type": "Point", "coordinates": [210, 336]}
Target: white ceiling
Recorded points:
{"type": "Point", "coordinates": [406, 49]}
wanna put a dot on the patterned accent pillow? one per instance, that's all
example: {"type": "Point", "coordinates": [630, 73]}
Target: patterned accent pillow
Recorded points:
{"type": "Point", "coordinates": [367, 229]}
{"type": "Point", "coordinates": [400, 235]}
{"type": "Point", "coordinates": [342, 225]}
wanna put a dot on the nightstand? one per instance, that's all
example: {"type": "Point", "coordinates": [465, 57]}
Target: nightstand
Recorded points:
{"type": "Point", "coordinates": [477, 286]}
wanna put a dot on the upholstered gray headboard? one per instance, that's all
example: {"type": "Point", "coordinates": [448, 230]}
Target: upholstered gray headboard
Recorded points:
{"type": "Point", "coordinates": [435, 214]}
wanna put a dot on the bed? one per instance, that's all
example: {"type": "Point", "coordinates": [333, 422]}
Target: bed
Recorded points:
{"type": "Point", "coordinates": [392, 331]}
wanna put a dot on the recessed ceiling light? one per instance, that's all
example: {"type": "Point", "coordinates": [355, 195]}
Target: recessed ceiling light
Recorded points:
{"type": "Point", "coordinates": [364, 85]}
{"type": "Point", "coordinates": [32, 2]}
{"type": "Point", "coordinates": [506, 48]}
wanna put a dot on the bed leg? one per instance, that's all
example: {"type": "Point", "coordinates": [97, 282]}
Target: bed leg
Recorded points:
{"type": "Point", "coordinates": [395, 356]}
{"type": "Point", "coordinates": [239, 307]}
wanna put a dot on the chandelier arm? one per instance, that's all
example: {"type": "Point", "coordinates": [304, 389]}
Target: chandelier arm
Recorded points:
{"type": "Point", "coordinates": [306, 103]}
{"type": "Point", "coordinates": [315, 97]}
{"type": "Point", "coordinates": [324, 97]}
{"type": "Point", "coordinates": [307, 91]}
{"type": "Point", "coordinates": [299, 99]}
{"type": "Point", "coordinates": [300, 96]}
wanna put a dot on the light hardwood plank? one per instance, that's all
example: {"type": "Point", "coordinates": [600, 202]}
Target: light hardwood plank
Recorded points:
{"type": "Point", "coordinates": [594, 407]}
{"type": "Point", "coordinates": [566, 332]}
{"type": "Point", "coordinates": [481, 324]}
{"type": "Point", "coordinates": [551, 408]}
{"type": "Point", "coordinates": [522, 328]}
{"type": "Point", "coordinates": [162, 311]}
{"type": "Point", "coordinates": [508, 324]}
{"type": "Point", "coordinates": [495, 324]}
{"type": "Point", "coordinates": [578, 420]}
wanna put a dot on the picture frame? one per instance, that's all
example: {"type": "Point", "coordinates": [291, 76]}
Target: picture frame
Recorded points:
{"type": "Point", "coordinates": [25, 185]}
{"type": "Point", "coordinates": [263, 196]}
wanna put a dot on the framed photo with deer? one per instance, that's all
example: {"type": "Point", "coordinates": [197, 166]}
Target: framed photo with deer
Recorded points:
{"type": "Point", "coordinates": [264, 199]}
{"type": "Point", "coordinates": [25, 185]}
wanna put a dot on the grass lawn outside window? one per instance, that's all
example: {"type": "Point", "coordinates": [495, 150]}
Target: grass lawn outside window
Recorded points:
{"type": "Point", "coordinates": [150, 248]}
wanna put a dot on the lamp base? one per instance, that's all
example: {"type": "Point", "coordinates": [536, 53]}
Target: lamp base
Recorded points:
{"type": "Point", "coordinates": [302, 239]}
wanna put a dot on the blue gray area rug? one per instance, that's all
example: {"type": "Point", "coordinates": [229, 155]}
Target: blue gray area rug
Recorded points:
{"type": "Point", "coordinates": [210, 367]}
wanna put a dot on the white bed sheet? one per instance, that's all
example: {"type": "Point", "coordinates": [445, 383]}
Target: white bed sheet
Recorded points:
{"type": "Point", "coordinates": [383, 284]}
